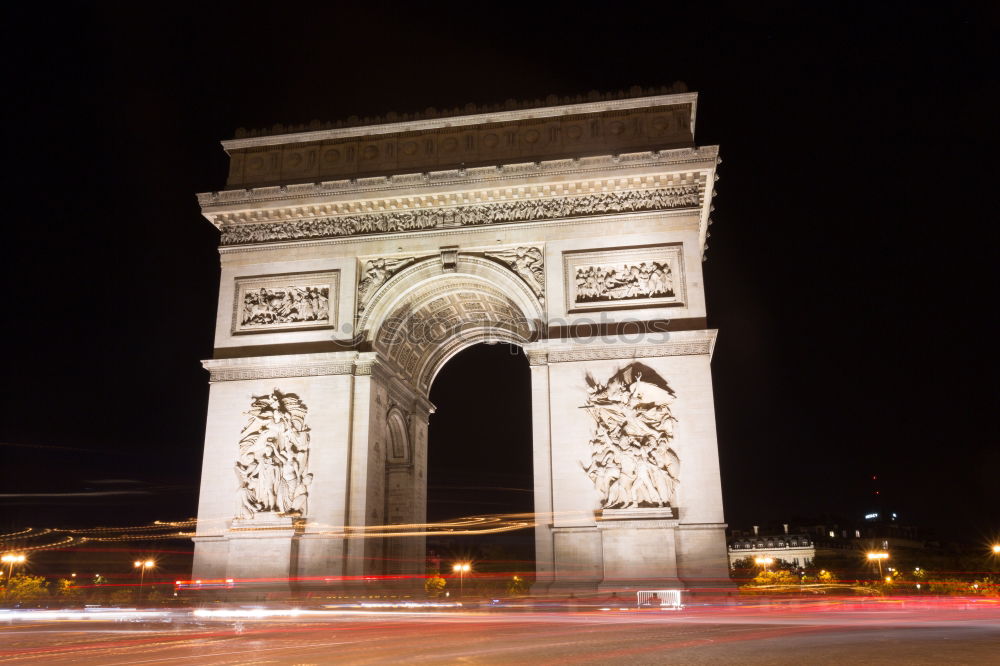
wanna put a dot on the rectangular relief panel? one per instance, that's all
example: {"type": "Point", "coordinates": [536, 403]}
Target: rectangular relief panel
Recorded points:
{"type": "Point", "coordinates": [291, 302]}
{"type": "Point", "coordinates": [615, 278]}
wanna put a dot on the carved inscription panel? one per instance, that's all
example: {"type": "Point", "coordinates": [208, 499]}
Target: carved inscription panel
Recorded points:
{"type": "Point", "coordinates": [608, 279]}
{"type": "Point", "coordinates": [264, 304]}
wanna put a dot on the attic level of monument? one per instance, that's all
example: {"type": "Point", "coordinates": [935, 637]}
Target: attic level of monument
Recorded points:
{"type": "Point", "coordinates": [433, 113]}
{"type": "Point", "coordinates": [546, 133]}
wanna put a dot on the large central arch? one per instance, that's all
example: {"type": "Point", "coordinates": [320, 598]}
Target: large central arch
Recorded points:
{"type": "Point", "coordinates": [356, 261]}
{"type": "Point", "coordinates": [430, 311]}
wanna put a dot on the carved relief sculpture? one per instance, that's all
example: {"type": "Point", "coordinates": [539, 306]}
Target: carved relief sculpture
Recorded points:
{"type": "Point", "coordinates": [633, 463]}
{"type": "Point", "coordinates": [376, 273]}
{"type": "Point", "coordinates": [630, 281]}
{"type": "Point", "coordinates": [601, 203]}
{"type": "Point", "coordinates": [527, 263]}
{"type": "Point", "coordinates": [265, 304]}
{"type": "Point", "coordinates": [274, 457]}
{"type": "Point", "coordinates": [641, 277]}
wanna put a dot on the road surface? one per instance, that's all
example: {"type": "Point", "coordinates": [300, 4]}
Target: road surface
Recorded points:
{"type": "Point", "coordinates": [829, 632]}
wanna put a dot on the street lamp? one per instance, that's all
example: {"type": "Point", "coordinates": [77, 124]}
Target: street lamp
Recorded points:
{"type": "Point", "coordinates": [764, 562]}
{"type": "Point", "coordinates": [878, 557]}
{"type": "Point", "coordinates": [461, 568]}
{"type": "Point", "coordinates": [996, 549]}
{"type": "Point", "coordinates": [10, 559]}
{"type": "Point", "coordinates": [142, 566]}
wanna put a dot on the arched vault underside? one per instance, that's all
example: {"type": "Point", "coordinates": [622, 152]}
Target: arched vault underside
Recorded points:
{"type": "Point", "coordinates": [428, 312]}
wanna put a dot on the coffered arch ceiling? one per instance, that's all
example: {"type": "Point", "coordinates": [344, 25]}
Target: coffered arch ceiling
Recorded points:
{"type": "Point", "coordinates": [425, 315]}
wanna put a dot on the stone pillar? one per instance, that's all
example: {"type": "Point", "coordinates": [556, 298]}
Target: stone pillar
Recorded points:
{"type": "Point", "coordinates": [359, 506]}
{"type": "Point", "coordinates": [267, 546]}
{"type": "Point", "coordinates": [624, 540]}
{"type": "Point", "coordinates": [406, 489]}
{"type": "Point", "coordinates": [542, 468]}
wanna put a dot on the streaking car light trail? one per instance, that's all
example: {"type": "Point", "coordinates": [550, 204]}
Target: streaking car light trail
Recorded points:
{"type": "Point", "coordinates": [34, 539]}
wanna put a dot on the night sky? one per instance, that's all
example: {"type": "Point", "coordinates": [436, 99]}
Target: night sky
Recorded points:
{"type": "Point", "coordinates": [848, 272]}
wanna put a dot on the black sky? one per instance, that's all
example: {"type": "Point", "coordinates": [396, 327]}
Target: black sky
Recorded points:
{"type": "Point", "coordinates": [848, 272]}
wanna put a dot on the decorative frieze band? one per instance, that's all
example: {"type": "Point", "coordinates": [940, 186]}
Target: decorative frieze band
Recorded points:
{"type": "Point", "coordinates": [637, 524]}
{"type": "Point", "coordinates": [598, 203]}
{"type": "Point", "coordinates": [234, 374]}
{"type": "Point", "coordinates": [606, 352]}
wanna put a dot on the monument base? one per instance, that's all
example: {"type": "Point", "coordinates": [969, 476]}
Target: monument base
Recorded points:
{"type": "Point", "coordinates": [638, 547]}
{"type": "Point", "coordinates": [263, 551]}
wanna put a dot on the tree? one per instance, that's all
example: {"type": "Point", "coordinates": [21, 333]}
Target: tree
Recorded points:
{"type": "Point", "coordinates": [434, 585]}
{"type": "Point", "coordinates": [780, 577]}
{"type": "Point", "coordinates": [123, 595]}
{"type": "Point", "coordinates": [517, 585]}
{"type": "Point", "coordinates": [25, 587]}
{"type": "Point", "coordinates": [65, 589]}
{"type": "Point", "coordinates": [98, 590]}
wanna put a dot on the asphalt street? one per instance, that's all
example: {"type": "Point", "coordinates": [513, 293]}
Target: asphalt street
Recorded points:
{"type": "Point", "coordinates": [817, 633]}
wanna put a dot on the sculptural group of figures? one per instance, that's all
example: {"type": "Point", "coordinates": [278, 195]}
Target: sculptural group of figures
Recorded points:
{"type": "Point", "coordinates": [285, 304]}
{"type": "Point", "coordinates": [632, 461]}
{"type": "Point", "coordinates": [274, 456]}
{"type": "Point", "coordinates": [598, 203]}
{"type": "Point", "coordinates": [645, 280]}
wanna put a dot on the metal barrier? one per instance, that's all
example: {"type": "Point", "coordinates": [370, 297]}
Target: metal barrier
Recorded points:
{"type": "Point", "coordinates": [659, 598]}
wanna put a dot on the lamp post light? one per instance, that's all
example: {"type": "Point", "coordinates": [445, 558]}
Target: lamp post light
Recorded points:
{"type": "Point", "coordinates": [996, 549]}
{"type": "Point", "coordinates": [878, 557]}
{"type": "Point", "coordinates": [764, 562]}
{"type": "Point", "coordinates": [10, 559]}
{"type": "Point", "coordinates": [142, 566]}
{"type": "Point", "coordinates": [461, 568]}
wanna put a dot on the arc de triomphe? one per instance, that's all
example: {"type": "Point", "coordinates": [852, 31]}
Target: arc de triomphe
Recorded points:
{"type": "Point", "coordinates": [357, 259]}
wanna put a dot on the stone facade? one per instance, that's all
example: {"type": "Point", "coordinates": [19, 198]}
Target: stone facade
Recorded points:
{"type": "Point", "coordinates": [351, 294]}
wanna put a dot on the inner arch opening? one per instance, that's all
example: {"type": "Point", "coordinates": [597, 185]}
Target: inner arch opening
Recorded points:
{"type": "Point", "coordinates": [480, 461]}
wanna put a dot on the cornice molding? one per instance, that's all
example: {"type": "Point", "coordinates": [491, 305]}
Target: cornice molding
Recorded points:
{"type": "Point", "coordinates": [537, 356]}
{"type": "Point", "coordinates": [467, 120]}
{"type": "Point", "coordinates": [277, 367]}
{"type": "Point", "coordinates": [212, 202]}
{"type": "Point", "coordinates": [701, 345]}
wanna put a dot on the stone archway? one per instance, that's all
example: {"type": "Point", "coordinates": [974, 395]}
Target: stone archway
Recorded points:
{"type": "Point", "coordinates": [357, 260]}
{"type": "Point", "coordinates": [430, 311]}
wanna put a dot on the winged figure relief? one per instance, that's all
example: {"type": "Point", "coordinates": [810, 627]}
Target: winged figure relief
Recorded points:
{"type": "Point", "coordinates": [527, 263]}
{"type": "Point", "coordinates": [376, 273]}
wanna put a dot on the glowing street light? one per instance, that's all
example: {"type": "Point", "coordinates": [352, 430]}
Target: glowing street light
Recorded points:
{"type": "Point", "coordinates": [461, 568]}
{"type": "Point", "coordinates": [878, 557]}
{"type": "Point", "coordinates": [764, 562]}
{"type": "Point", "coordinates": [142, 566]}
{"type": "Point", "coordinates": [10, 559]}
{"type": "Point", "coordinates": [996, 549]}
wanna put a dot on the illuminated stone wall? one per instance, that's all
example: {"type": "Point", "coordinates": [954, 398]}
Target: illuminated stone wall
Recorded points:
{"type": "Point", "coordinates": [590, 261]}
